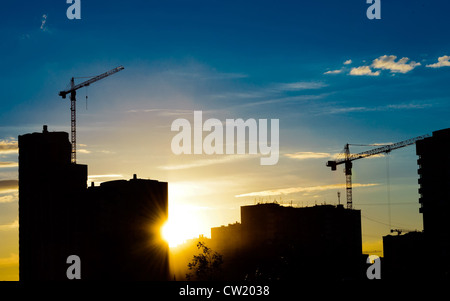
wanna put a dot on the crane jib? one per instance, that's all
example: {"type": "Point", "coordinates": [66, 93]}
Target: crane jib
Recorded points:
{"type": "Point", "coordinates": [348, 158]}
{"type": "Point", "coordinates": [72, 92]}
{"type": "Point", "coordinates": [90, 81]}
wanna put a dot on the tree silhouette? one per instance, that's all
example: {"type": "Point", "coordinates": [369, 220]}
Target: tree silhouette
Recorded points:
{"type": "Point", "coordinates": [206, 265]}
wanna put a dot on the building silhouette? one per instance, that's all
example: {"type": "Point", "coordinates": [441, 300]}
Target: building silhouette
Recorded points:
{"type": "Point", "coordinates": [424, 255]}
{"type": "Point", "coordinates": [278, 242]}
{"type": "Point", "coordinates": [434, 181]}
{"type": "Point", "coordinates": [405, 256]}
{"type": "Point", "coordinates": [113, 228]}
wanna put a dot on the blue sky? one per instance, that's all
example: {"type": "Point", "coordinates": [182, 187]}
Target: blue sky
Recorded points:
{"type": "Point", "coordinates": [330, 75]}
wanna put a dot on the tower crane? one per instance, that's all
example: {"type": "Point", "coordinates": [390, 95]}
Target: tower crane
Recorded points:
{"type": "Point", "coordinates": [72, 92]}
{"type": "Point", "coordinates": [347, 159]}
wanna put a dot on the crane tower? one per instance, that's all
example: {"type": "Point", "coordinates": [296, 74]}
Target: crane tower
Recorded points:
{"type": "Point", "coordinates": [347, 159]}
{"type": "Point", "coordinates": [72, 92]}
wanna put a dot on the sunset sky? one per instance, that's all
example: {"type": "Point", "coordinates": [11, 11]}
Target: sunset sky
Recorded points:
{"type": "Point", "coordinates": [330, 75]}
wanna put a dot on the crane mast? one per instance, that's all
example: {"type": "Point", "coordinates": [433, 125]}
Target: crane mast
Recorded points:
{"type": "Point", "coordinates": [347, 159]}
{"type": "Point", "coordinates": [73, 93]}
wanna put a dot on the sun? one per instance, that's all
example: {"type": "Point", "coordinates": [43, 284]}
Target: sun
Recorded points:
{"type": "Point", "coordinates": [169, 234]}
{"type": "Point", "coordinates": [181, 226]}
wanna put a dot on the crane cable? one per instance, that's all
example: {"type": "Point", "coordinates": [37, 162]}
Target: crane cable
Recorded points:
{"type": "Point", "coordinates": [86, 96]}
{"type": "Point", "coordinates": [388, 190]}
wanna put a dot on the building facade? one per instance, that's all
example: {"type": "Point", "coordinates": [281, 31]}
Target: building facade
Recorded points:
{"type": "Point", "coordinates": [434, 181]}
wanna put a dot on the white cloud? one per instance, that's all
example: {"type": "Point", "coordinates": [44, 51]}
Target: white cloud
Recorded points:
{"type": "Point", "coordinates": [297, 86]}
{"type": "Point", "coordinates": [443, 61]}
{"type": "Point", "coordinates": [347, 62]}
{"type": "Point", "coordinates": [387, 62]}
{"type": "Point", "coordinates": [8, 146]}
{"type": "Point", "coordinates": [43, 21]}
{"type": "Point", "coordinates": [105, 176]}
{"type": "Point", "coordinates": [333, 71]}
{"type": "Point", "coordinates": [363, 70]}
{"type": "Point", "coordinates": [290, 190]}
{"type": "Point", "coordinates": [390, 107]}
{"type": "Point", "coordinates": [83, 151]}
{"type": "Point", "coordinates": [9, 198]}
{"type": "Point", "coordinates": [8, 164]}
{"type": "Point", "coordinates": [308, 155]}
{"type": "Point", "coordinates": [207, 162]}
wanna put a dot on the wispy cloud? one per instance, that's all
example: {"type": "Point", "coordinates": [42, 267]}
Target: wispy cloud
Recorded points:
{"type": "Point", "coordinates": [8, 146]}
{"type": "Point", "coordinates": [308, 155]}
{"type": "Point", "coordinates": [389, 107]}
{"type": "Point", "coordinates": [9, 198]}
{"type": "Point", "coordinates": [164, 112]}
{"type": "Point", "coordinates": [7, 186]}
{"type": "Point", "coordinates": [333, 71]}
{"type": "Point", "coordinates": [207, 162]}
{"type": "Point", "coordinates": [199, 72]}
{"type": "Point", "coordinates": [8, 164]}
{"type": "Point", "coordinates": [98, 179]}
{"type": "Point", "coordinates": [283, 191]}
{"type": "Point", "coordinates": [83, 151]}
{"type": "Point", "coordinates": [105, 177]}
{"type": "Point", "coordinates": [348, 62]}
{"type": "Point", "coordinates": [284, 100]}
{"type": "Point", "coordinates": [443, 61]}
{"type": "Point", "coordinates": [43, 21]}
{"type": "Point", "coordinates": [11, 226]}
{"type": "Point", "coordinates": [12, 260]}
{"type": "Point", "coordinates": [298, 86]}
{"type": "Point", "coordinates": [89, 151]}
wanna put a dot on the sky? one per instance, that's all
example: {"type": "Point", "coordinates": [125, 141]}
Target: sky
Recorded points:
{"type": "Point", "coordinates": [329, 75]}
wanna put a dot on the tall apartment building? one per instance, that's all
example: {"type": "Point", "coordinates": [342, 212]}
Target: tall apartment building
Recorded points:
{"type": "Point", "coordinates": [113, 228]}
{"type": "Point", "coordinates": [434, 180]}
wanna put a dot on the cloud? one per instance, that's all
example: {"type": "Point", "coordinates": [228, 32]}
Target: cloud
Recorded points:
{"type": "Point", "coordinates": [347, 62]}
{"type": "Point", "coordinates": [199, 72]}
{"type": "Point", "coordinates": [333, 71]}
{"type": "Point", "coordinates": [7, 186]}
{"type": "Point", "coordinates": [43, 21]}
{"type": "Point", "coordinates": [83, 151]}
{"type": "Point", "coordinates": [7, 147]}
{"type": "Point", "coordinates": [390, 107]}
{"type": "Point", "coordinates": [297, 86]}
{"type": "Point", "coordinates": [86, 151]}
{"type": "Point", "coordinates": [207, 162]}
{"type": "Point", "coordinates": [363, 70]}
{"type": "Point", "coordinates": [105, 176]}
{"type": "Point", "coordinates": [12, 260]}
{"type": "Point", "coordinates": [443, 61]}
{"type": "Point", "coordinates": [8, 164]}
{"type": "Point", "coordinates": [98, 179]}
{"type": "Point", "coordinates": [290, 99]}
{"type": "Point", "coordinates": [9, 198]}
{"type": "Point", "coordinates": [164, 112]}
{"type": "Point", "coordinates": [387, 62]}
{"type": "Point", "coordinates": [11, 226]}
{"type": "Point", "coordinates": [290, 190]}
{"type": "Point", "coordinates": [308, 155]}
